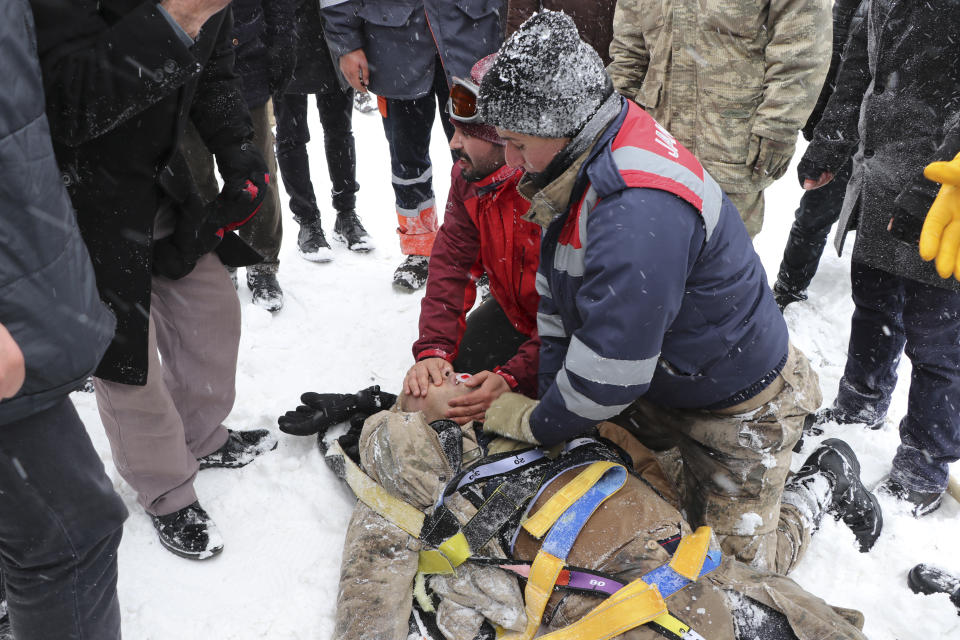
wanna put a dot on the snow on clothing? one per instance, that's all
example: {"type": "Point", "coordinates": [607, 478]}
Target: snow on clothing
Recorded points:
{"type": "Point", "coordinates": [406, 457]}
{"type": "Point", "coordinates": [895, 109]}
{"type": "Point", "coordinates": [483, 232]}
{"type": "Point", "coordinates": [732, 80]}
{"type": "Point", "coordinates": [259, 28]}
{"type": "Point", "coordinates": [594, 19]}
{"type": "Point", "coordinates": [649, 286]}
{"type": "Point", "coordinates": [402, 39]}
{"type": "Point", "coordinates": [97, 118]}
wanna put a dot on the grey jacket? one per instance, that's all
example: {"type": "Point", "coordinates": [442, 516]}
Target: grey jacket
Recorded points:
{"type": "Point", "coordinates": [48, 295]}
{"type": "Point", "coordinates": [402, 39]}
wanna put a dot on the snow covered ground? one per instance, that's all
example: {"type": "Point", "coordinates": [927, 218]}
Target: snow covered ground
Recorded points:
{"type": "Point", "coordinates": [343, 328]}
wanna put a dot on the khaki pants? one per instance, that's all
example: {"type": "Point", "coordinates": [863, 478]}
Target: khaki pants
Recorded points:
{"type": "Point", "coordinates": [734, 464]}
{"type": "Point", "coordinates": [750, 205]}
{"type": "Point", "coordinates": [157, 431]}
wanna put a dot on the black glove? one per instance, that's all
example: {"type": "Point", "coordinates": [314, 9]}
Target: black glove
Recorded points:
{"type": "Point", "coordinates": [245, 184]}
{"type": "Point", "coordinates": [281, 63]}
{"type": "Point", "coordinates": [821, 157]}
{"type": "Point", "coordinates": [169, 261]}
{"type": "Point", "coordinates": [320, 411]}
{"type": "Point", "coordinates": [194, 236]}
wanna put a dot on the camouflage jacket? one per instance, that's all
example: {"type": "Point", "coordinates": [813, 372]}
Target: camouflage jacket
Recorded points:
{"type": "Point", "coordinates": [724, 77]}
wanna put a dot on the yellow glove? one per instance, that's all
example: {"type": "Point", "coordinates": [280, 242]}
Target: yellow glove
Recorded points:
{"type": "Point", "coordinates": [940, 237]}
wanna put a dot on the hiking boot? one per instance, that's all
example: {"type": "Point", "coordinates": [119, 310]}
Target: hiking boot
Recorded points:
{"type": "Point", "coordinates": [411, 274]}
{"type": "Point", "coordinates": [831, 479]}
{"type": "Point", "coordinates": [312, 244]}
{"type": "Point", "coordinates": [348, 230]}
{"type": "Point", "coordinates": [923, 502]}
{"type": "Point", "coordinates": [784, 295]}
{"type": "Point", "coordinates": [240, 449]}
{"type": "Point", "coordinates": [265, 289]}
{"type": "Point", "coordinates": [926, 579]}
{"type": "Point", "coordinates": [189, 533]}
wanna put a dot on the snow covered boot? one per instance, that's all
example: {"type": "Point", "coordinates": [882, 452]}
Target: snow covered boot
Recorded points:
{"type": "Point", "coordinates": [813, 423]}
{"type": "Point", "coordinates": [922, 502]}
{"type": "Point", "coordinates": [926, 579]}
{"type": "Point", "coordinates": [348, 230]}
{"type": "Point", "coordinates": [829, 482]}
{"type": "Point", "coordinates": [189, 533]}
{"type": "Point", "coordinates": [411, 275]}
{"type": "Point", "coordinates": [265, 289]}
{"type": "Point", "coordinates": [5, 631]}
{"type": "Point", "coordinates": [312, 245]}
{"type": "Point", "coordinates": [240, 449]}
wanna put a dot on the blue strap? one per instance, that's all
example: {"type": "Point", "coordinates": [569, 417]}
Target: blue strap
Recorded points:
{"type": "Point", "coordinates": [669, 581]}
{"type": "Point", "coordinates": [567, 527]}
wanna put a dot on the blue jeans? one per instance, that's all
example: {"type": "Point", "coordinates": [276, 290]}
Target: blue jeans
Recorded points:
{"type": "Point", "coordinates": [894, 315]}
{"type": "Point", "coordinates": [60, 526]}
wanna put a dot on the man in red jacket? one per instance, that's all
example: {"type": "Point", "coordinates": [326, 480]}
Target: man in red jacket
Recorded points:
{"type": "Point", "coordinates": [482, 231]}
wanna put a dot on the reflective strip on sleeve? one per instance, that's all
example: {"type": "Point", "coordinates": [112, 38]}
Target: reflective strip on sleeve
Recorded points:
{"type": "Point", "coordinates": [712, 201]}
{"type": "Point", "coordinates": [569, 260]}
{"type": "Point", "coordinates": [543, 287]}
{"type": "Point", "coordinates": [550, 325]}
{"type": "Point", "coordinates": [583, 406]}
{"type": "Point", "coordinates": [590, 365]}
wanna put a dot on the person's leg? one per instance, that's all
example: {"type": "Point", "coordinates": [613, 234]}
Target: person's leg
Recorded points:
{"type": "Point", "coordinates": [750, 206]}
{"type": "Point", "coordinates": [336, 118]}
{"type": "Point", "coordinates": [60, 526]}
{"type": "Point", "coordinates": [407, 125]}
{"type": "Point", "coordinates": [818, 210]}
{"type": "Point", "coordinates": [198, 334]}
{"type": "Point", "coordinates": [489, 339]}
{"type": "Point", "coordinates": [930, 431]}
{"type": "Point", "coordinates": [293, 134]}
{"type": "Point", "coordinates": [876, 341]}
{"type": "Point", "coordinates": [147, 437]}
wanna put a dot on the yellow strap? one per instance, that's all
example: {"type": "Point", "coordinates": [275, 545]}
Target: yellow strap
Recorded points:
{"type": "Point", "coordinates": [688, 558]}
{"type": "Point", "coordinates": [635, 604]}
{"type": "Point", "coordinates": [404, 515]}
{"type": "Point", "coordinates": [540, 522]}
{"type": "Point", "coordinates": [543, 575]}
{"type": "Point", "coordinates": [432, 561]}
{"type": "Point", "coordinates": [672, 625]}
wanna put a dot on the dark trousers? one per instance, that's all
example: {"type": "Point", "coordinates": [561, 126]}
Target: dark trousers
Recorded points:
{"type": "Point", "coordinates": [489, 339]}
{"type": "Point", "coordinates": [407, 125]}
{"type": "Point", "coordinates": [818, 210]}
{"type": "Point", "coordinates": [894, 315]}
{"type": "Point", "coordinates": [60, 526]}
{"type": "Point", "coordinates": [293, 134]}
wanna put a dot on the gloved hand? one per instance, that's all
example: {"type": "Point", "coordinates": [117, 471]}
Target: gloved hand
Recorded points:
{"type": "Point", "coordinates": [169, 261]}
{"type": "Point", "coordinates": [475, 592]}
{"type": "Point", "coordinates": [940, 237]}
{"type": "Point", "coordinates": [194, 236]}
{"type": "Point", "coordinates": [773, 158]}
{"type": "Point", "coordinates": [281, 63]}
{"type": "Point", "coordinates": [320, 411]}
{"type": "Point", "coordinates": [245, 184]}
{"type": "Point", "coordinates": [509, 416]}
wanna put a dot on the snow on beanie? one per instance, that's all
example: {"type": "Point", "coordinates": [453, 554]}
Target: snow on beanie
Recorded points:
{"type": "Point", "coordinates": [479, 129]}
{"type": "Point", "coordinates": [545, 81]}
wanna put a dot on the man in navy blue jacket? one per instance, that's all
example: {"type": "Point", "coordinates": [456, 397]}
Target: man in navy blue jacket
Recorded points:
{"type": "Point", "coordinates": [654, 308]}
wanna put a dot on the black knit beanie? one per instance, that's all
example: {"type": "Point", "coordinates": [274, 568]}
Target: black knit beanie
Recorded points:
{"type": "Point", "coordinates": [546, 81]}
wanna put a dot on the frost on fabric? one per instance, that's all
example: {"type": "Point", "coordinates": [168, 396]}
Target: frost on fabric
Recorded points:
{"type": "Point", "coordinates": [748, 523]}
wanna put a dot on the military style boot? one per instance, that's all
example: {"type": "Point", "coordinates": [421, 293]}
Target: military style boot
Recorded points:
{"type": "Point", "coordinates": [312, 245]}
{"type": "Point", "coordinates": [927, 579]}
{"type": "Point", "coordinates": [348, 230]}
{"type": "Point", "coordinates": [411, 275]}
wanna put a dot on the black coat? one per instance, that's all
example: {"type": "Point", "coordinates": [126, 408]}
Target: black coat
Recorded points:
{"type": "Point", "coordinates": [120, 85]}
{"type": "Point", "coordinates": [262, 29]}
{"type": "Point", "coordinates": [896, 108]}
{"type": "Point", "coordinates": [315, 71]}
{"type": "Point", "coordinates": [48, 295]}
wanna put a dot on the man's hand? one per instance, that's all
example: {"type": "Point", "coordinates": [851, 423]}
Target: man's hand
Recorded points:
{"type": "Point", "coordinates": [418, 378]}
{"type": "Point", "coordinates": [487, 386]}
{"type": "Point", "coordinates": [12, 368]}
{"type": "Point", "coordinates": [192, 14]}
{"type": "Point", "coordinates": [354, 68]}
{"type": "Point", "coordinates": [940, 237]}
{"type": "Point", "coordinates": [825, 177]}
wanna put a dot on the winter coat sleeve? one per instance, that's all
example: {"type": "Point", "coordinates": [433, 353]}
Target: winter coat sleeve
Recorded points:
{"type": "Point", "coordinates": [451, 290]}
{"type": "Point", "coordinates": [836, 136]}
{"type": "Point", "coordinates": [640, 245]}
{"type": "Point", "coordinates": [342, 26]}
{"type": "Point", "coordinates": [99, 75]}
{"type": "Point", "coordinates": [628, 49]}
{"type": "Point", "coordinates": [796, 60]}
{"type": "Point", "coordinates": [522, 367]}
{"type": "Point", "coordinates": [220, 113]}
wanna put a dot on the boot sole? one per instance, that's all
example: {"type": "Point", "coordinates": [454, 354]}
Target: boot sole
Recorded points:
{"type": "Point", "coordinates": [319, 256]}
{"type": "Point", "coordinates": [190, 555]}
{"type": "Point", "coordinates": [358, 247]}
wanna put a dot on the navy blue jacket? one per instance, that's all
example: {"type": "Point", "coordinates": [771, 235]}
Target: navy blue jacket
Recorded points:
{"type": "Point", "coordinates": [48, 295]}
{"type": "Point", "coordinates": [667, 303]}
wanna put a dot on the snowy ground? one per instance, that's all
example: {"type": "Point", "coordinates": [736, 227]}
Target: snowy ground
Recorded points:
{"type": "Point", "coordinates": [343, 328]}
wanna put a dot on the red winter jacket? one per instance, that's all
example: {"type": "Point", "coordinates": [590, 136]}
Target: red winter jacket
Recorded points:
{"type": "Point", "coordinates": [482, 231]}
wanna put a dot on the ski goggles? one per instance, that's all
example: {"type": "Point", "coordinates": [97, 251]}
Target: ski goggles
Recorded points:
{"type": "Point", "coordinates": [462, 103]}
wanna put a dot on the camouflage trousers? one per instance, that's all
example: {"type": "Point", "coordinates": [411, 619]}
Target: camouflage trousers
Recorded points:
{"type": "Point", "coordinates": [750, 205]}
{"type": "Point", "coordinates": [733, 464]}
